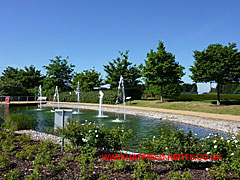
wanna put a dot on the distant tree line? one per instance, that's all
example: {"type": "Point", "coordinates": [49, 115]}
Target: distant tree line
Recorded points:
{"type": "Point", "coordinates": [159, 75]}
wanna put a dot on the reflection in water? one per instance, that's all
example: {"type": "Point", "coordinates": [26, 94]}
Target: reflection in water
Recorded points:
{"type": "Point", "coordinates": [143, 127]}
{"type": "Point", "coordinates": [6, 111]}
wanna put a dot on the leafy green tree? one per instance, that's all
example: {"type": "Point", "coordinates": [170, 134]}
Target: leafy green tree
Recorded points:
{"type": "Point", "coordinates": [12, 87]}
{"type": "Point", "coordinates": [20, 81]}
{"type": "Point", "coordinates": [88, 79]}
{"type": "Point", "coordinates": [121, 66]}
{"type": "Point", "coordinates": [161, 69]}
{"type": "Point", "coordinates": [10, 73]}
{"type": "Point", "coordinates": [30, 77]}
{"type": "Point", "coordinates": [59, 73]}
{"type": "Point", "coordinates": [217, 63]}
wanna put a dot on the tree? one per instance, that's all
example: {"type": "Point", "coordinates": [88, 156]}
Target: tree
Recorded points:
{"type": "Point", "coordinates": [161, 69]}
{"type": "Point", "coordinates": [10, 84]}
{"type": "Point", "coordinates": [59, 73]}
{"type": "Point", "coordinates": [21, 81]}
{"type": "Point", "coordinates": [88, 79]}
{"type": "Point", "coordinates": [12, 88]}
{"type": "Point", "coordinates": [30, 77]}
{"type": "Point", "coordinates": [217, 63]}
{"type": "Point", "coordinates": [121, 66]}
{"type": "Point", "coordinates": [10, 73]}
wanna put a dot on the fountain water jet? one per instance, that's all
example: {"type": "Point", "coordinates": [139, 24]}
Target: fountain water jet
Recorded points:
{"type": "Point", "coordinates": [121, 93]}
{"type": "Point", "coordinates": [56, 95]}
{"type": "Point", "coordinates": [101, 94]}
{"type": "Point", "coordinates": [40, 98]}
{"type": "Point", "coordinates": [78, 99]}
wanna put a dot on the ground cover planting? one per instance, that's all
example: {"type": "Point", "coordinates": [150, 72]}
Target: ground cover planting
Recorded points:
{"type": "Point", "coordinates": [23, 158]}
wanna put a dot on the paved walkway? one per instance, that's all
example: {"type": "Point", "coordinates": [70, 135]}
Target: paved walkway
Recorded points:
{"type": "Point", "coordinates": [227, 117]}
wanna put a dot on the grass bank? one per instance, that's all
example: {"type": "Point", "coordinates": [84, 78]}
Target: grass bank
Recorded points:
{"type": "Point", "coordinates": [227, 107]}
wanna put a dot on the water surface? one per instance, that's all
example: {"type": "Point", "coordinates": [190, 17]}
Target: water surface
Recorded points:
{"type": "Point", "coordinates": [143, 127]}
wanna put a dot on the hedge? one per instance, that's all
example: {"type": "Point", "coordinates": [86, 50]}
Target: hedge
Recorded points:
{"type": "Point", "coordinates": [196, 97]}
{"type": "Point", "coordinates": [109, 97]}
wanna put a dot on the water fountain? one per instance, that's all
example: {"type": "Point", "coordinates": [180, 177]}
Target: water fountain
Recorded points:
{"type": "Point", "coordinates": [100, 111]}
{"type": "Point", "coordinates": [56, 95]}
{"type": "Point", "coordinates": [78, 99]}
{"type": "Point", "coordinates": [121, 94]}
{"type": "Point", "coordinates": [40, 98]}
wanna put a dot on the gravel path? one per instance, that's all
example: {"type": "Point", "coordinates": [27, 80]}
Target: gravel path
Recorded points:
{"type": "Point", "coordinates": [214, 121]}
{"type": "Point", "coordinates": [35, 135]}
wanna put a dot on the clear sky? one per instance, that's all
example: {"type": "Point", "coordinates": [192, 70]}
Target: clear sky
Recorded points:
{"type": "Point", "coordinates": [91, 32]}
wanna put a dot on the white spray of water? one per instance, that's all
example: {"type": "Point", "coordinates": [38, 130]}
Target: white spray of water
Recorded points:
{"type": "Point", "coordinates": [121, 92]}
{"type": "Point", "coordinates": [40, 97]}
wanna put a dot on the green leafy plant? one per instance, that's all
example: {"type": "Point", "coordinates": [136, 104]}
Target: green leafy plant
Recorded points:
{"type": "Point", "coordinates": [90, 135]}
{"type": "Point", "coordinates": [36, 173]}
{"type": "Point", "coordinates": [27, 152]}
{"type": "Point", "coordinates": [44, 154]}
{"type": "Point", "coordinates": [19, 122]}
{"type": "Point", "coordinates": [24, 138]}
{"type": "Point", "coordinates": [119, 165]}
{"type": "Point", "coordinates": [143, 170]}
{"type": "Point", "coordinates": [178, 176]}
{"type": "Point", "coordinates": [86, 161]}
{"type": "Point", "coordinates": [8, 146]}
{"type": "Point", "coordinates": [4, 161]}
{"type": "Point", "coordinates": [173, 141]}
{"type": "Point", "coordinates": [12, 175]}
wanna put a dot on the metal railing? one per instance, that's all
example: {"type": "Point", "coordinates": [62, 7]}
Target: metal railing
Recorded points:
{"type": "Point", "coordinates": [19, 98]}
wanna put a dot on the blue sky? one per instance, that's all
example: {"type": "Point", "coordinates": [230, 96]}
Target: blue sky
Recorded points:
{"type": "Point", "coordinates": [92, 32]}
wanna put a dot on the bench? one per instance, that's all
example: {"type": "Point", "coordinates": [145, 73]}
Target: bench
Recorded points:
{"type": "Point", "coordinates": [42, 99]}
{"type": "Point", "coordinates": [128, 99]}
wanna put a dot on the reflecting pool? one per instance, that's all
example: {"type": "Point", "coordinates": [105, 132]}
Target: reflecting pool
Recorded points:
{"type": "Point", "coordinates": [143, 127]}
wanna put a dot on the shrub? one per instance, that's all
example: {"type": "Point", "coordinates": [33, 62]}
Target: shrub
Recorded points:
{"type": "Point", "coordinates": [229, 148]}
{"type": "Point", "coordinates": [18, 122]}
{"type": "Point", "coordinates": [90, 97]}
{"type": "Point", "coordinates": [178, 176]}
{"type": "Point", "coordinates": [12, 175]}
{"type": "Point", "coordinates": [27, 152]}
{"type": "Point", "coordinates": [172, 141]}
{"type": "Point", "coordinates": [90, 135]}
{"type": "Point", "coordinates": [135, 93]}
{"type": "Point", "coordinates": [197, 97]}
{"type": "Point", "coordinates": [143, 171]}
{"type": "Point", "coordinates": [4, 161]}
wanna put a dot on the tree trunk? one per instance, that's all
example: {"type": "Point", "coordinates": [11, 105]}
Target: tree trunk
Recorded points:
{"type": "Point", "coordinates": [218, 94]}
{"type": "Point", "coordinates": [161, 95]}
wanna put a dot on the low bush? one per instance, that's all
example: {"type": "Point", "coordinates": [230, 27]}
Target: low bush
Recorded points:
{"type": "Point", "coordinates": [18, 122]}
{"type": "Point", "coordinates": [4, 161]}
{"type": "Point", "coordinates": [90, 135]}
{"type": "Point", "coordinates": [200, 97]}
{"type": "Point", "coordinates": [143, 170]}
{"type": "Point", "coordinates": [229, 148]}
{"type": "Point", "coordinates": [172, 141]}
{"type": "Point", "coordinates": [12, 175]}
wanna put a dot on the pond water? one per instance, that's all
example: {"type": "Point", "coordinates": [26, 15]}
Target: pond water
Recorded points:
{"type": "Point", "coordinates": [143, 127]}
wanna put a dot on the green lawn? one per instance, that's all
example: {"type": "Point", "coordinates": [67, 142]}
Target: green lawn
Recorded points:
{"type": "Point", "coordinates": [200, 106]}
